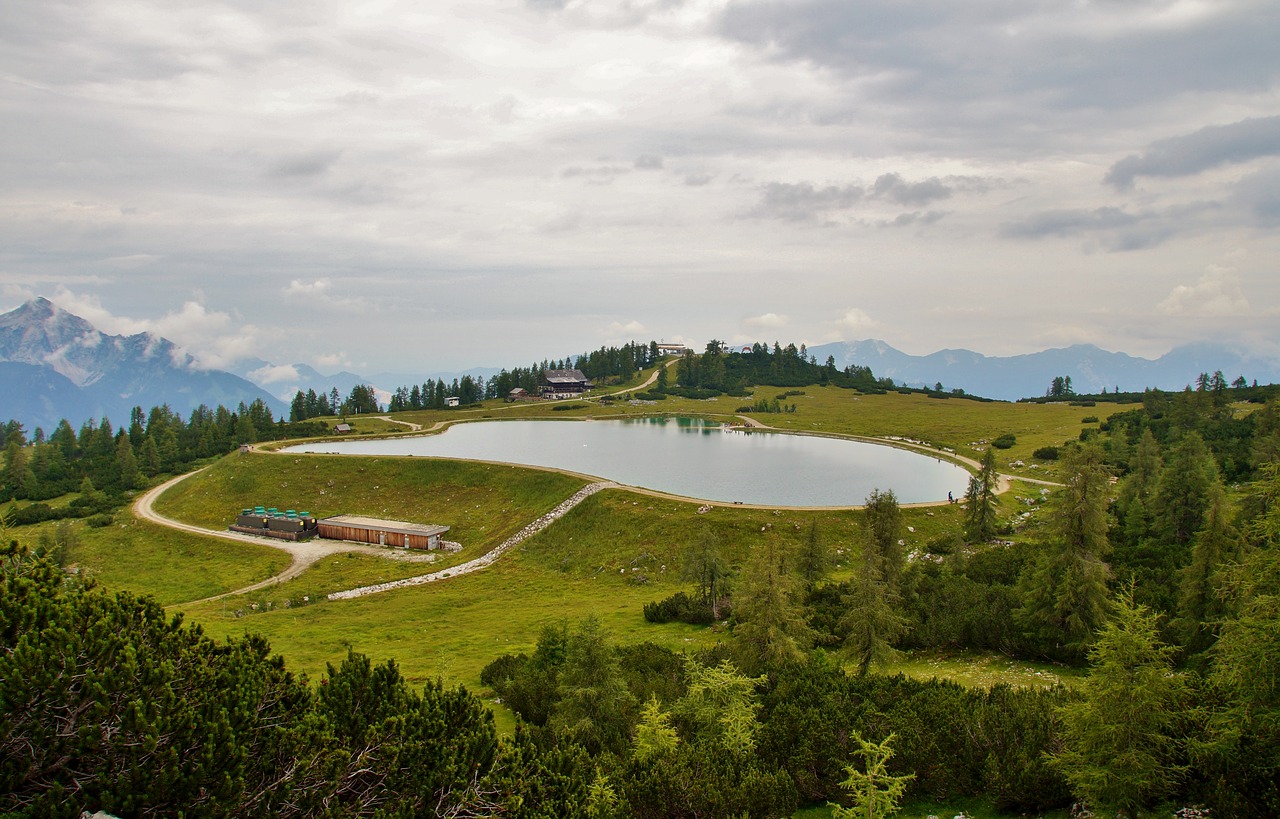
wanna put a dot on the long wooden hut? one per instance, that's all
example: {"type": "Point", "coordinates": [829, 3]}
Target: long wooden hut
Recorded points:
{"type": "Point", "coordinates": [382, 532]}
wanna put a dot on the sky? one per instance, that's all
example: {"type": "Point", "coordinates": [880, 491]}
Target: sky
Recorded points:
{"type": "Point", "coordinates": [428, 186]}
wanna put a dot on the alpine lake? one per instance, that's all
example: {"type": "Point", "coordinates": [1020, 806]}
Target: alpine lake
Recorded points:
{"type": "Point", "coordinates": [689, 457]}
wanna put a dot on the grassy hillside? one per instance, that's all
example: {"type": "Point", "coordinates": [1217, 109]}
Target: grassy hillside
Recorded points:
{"type": "Point", "coordinates": [610, 556]}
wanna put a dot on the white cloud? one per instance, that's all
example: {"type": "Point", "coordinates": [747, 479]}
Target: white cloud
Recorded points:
{"type": "Point", "coordinates": [274, 374]}
{"type": "Point", "coordinates": [617, 329]}
{"type": "Point", "coordinates": [1218, 293]}
{"type": "Point", "coordinates": [856, 320]}
{"type": "Point", "coordinates": [330, 361]}
{"type": "Point", "coordinates": [212, 338]}
{"type": "Point", "coordinates": [767, 321]}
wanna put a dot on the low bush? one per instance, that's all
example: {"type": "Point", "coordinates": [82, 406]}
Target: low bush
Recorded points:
{"type": "Point", "coordinates": [679, 607]}
{"type": "Point", "coordinates": [1005, 441]}
{"type": "Point", "coordinates": [1046, 453]}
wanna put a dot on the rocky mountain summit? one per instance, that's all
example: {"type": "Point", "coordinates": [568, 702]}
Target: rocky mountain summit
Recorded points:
{"type": "Point", "coordinates": [56, 365]}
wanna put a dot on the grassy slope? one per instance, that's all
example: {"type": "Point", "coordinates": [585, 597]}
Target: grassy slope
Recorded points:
{"type": "Point", "coordinates": [132, 555]}
{"type": "Point", "coordinates": [581, 565]}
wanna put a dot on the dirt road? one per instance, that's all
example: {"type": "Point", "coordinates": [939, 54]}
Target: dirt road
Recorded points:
{"type": "Point", "coordinates": [303, 554]}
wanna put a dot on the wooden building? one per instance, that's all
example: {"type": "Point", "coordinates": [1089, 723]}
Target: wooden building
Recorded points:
{"type": "Point", "coordinates": [381, 532]}
{"type": "Point", "coordinates": [564, 383]}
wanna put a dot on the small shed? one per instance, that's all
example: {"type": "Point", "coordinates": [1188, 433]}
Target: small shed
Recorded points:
{"type": "Point", "coordinates": [382, 532]}
{"type": "Point", "coordinates": [341, 429]}
{"type": "Point", "coordinates": [452, 401]}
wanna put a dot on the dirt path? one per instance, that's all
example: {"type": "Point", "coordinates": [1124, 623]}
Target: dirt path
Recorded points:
{"type": "Point", "coordinates": [303, 554]}
{"type": "Point", "coordinates": [412, 426]}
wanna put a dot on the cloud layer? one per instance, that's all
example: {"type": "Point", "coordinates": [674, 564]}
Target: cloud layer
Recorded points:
{"type": "Point", "coordinates": [439, 186]}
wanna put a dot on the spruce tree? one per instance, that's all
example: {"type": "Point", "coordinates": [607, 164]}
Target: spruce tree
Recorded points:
{"type": "Point", "coordinates": [1064, 592]}
{"type": "Point", "coordinates": [980, 517]}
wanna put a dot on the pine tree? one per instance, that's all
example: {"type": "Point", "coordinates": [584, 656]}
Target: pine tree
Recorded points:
{"type": "Point", "coordinates": [814, 558]}
{"type": "Point", "coordinates": [1200, 608]}
{"type": "Point", "coordinates": [1182, 493]}
{"type": "Point", "coordinates": [771, 630]}
{"type": "Point", "coordinates": [884, 536]}
{"type": "Point", "coordinates": [1120, 745]}
{"type": "Point", "coordinates": [1064, 593]}
{"type": "Point", "coordinates": [980, 498]}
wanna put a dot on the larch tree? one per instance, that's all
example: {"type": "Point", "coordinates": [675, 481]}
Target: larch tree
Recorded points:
{"type": "Point", "coordinates": [1120, 739]}
{"type": "Point", "coordinates": [771, 630]}
{"type": "Point", "coordinates": [873, 791]}
{"type": "Point", "coordinates": [1064, 592]}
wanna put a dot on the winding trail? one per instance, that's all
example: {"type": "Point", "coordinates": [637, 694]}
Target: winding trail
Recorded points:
{"type": "Point", "coordinates": [303, 553]}
{"type": "Point", "coordinates": [412, 426]}
{"type": "Point", "coordinates": [306, 553]}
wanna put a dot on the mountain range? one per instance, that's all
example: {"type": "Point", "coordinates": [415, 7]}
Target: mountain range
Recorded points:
{"type": "Point", "coordinates": [56, 365]}
{"type": "Point", "coordinates": [1090, 368]}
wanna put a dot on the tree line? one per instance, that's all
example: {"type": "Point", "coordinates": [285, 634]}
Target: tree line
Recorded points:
{"type": "Point", "coordinates": [101, 462]}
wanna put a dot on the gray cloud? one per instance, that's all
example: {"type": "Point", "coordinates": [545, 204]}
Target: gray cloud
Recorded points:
{"type": "Point", "coordinates": [801, 201]}
{"type": "Point", "coordinates": [304, 165]}
{"type": "Point", "coordinates": [648, 162]}
{"type": "Point", "coordinates": [1036, 68]}
{"type": "Point", "coordinates": [1069, 223]}
{"type": "Point", "coordinates": [1119, 230]}
{"type": "Point", "coordinates": [893, 187]}
{"type": "Point", "coordinates": [1259, 194]}
{"type": "Point", "coordinates": [1206, 148]}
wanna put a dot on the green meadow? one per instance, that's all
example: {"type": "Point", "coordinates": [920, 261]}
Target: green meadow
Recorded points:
{"type": "Point", "coordinates": [608, 557]}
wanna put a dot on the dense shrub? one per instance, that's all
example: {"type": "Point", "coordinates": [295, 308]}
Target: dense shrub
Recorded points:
{"type": "Point", "coordinates": [1005, 441]}
{"type": "Point", "coordinates": [1046, 453]}
{"type": "Point", "coordinates": [679, 607]}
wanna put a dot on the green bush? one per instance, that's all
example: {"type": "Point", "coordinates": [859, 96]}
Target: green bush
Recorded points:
{"type": "Point", "coordinates": [1005, 441]}
{"type": "Point", "coordinates": [1046, 453]}
{"type": "Point", "coordinates": [679, 607]}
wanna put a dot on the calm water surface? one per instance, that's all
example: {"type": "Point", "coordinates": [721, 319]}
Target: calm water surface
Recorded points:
{"type": "Point", "coordinates": [691, 457]}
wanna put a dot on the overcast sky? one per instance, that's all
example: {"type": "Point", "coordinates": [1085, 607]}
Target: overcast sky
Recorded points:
{"type": "Point", "coordinates": [431, 185]}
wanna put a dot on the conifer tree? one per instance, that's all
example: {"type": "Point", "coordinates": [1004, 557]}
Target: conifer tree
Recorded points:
{"type": "Point", "coordinates": [1064, 593]}
{"type": "Point", "coordinates": [873, 790]}
{"type": "Point", "coordinates": [771, 630]}
{"type": "Point", "coordinates": [1200, 606]}
{"type": "Point", "coordinates": [980, 517]}
{"type": "Point", "coordinates": [1120, 743]}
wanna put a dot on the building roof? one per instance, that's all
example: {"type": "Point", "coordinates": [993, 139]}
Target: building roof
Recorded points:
{"type": "Point", "coordinates": [378, 525]}
{"type": "Point", "coordinates": [564, 376]}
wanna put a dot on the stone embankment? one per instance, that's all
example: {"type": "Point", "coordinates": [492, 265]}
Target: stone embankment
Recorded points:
{"type": "Point", "coordinates": [487, 558]}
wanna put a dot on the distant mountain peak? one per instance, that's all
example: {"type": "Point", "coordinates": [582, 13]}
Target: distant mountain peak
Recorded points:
{"type": "Point", "coordinates": [111, 373]}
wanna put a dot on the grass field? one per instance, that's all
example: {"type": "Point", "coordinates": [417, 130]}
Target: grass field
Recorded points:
{"type": "Point", "coordinates": [610, 556]}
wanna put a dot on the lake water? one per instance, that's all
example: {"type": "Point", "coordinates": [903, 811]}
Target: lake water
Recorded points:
{"type": "Point", "coordinates": [689, 457]}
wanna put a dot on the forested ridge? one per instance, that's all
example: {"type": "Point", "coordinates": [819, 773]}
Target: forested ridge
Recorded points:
{"type": "Point", "coordinates": [1156, 566]}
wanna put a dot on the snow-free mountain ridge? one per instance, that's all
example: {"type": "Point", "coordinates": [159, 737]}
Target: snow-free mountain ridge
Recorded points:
{"type": "Point", "coordinates": [1009, 378]}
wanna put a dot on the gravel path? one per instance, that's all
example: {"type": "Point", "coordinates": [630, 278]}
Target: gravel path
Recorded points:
{"type": "Point", "coordinates": [485, 559]}
{"type": "Point", "coordinates": [303, 553]}
{"type": "Point", "coordinates": [306, 553]}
